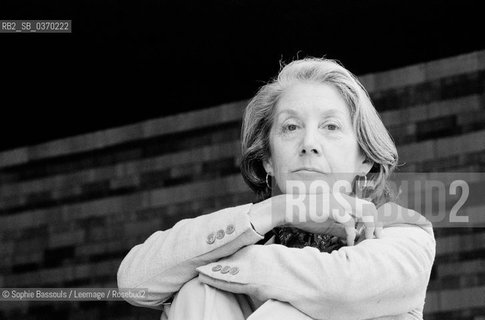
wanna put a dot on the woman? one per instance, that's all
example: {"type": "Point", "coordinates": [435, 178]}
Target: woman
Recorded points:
{"type": "Point", "coordinates": [305, 134]}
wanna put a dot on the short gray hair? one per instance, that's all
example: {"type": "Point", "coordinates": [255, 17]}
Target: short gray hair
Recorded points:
{"type": "Point", "coordinates": [373, 138]}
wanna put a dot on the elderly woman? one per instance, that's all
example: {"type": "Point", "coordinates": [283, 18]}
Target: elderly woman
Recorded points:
{"type": "Point", "coordinates": [298, 253]}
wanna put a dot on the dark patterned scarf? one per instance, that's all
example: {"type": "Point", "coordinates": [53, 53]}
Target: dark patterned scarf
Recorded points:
{"type": "Point", "coordinates": [297, 238]}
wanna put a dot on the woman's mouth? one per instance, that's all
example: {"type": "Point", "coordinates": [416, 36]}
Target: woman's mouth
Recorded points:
{"type": "Point", "coordinates": [306, 170]}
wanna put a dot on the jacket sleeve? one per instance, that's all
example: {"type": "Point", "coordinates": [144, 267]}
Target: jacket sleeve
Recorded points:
{"type": "Point", "coordinates": [376, 277]}
{"type": "Point", "coordinates": [168, 259]}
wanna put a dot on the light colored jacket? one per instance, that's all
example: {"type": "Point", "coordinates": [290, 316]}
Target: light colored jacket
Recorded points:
{"type": "Point", "coordinates": [375, 278]}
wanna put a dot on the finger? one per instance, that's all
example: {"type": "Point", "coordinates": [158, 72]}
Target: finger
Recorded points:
{"type": "Point", "coordinates": [360, 230]}
{"type": "Point", "coordinates": [362, 210]}
{"type": "Point", "coordinates": [364, 223]}
{"type": "Point", "coordinates": [379, 229]}
{"type": "Point", "coordinates": [351, 232]}
{"type": "Point", "coordinates": [346, 219]}
{"type": "Point", "coordinates": [368, 213]}
{"type": "Point", "coordinates": [369, 226]}
{"type": "Point", "coordinates": [379, 232]}
{"type": "Point", "coordinates": [351, 204]}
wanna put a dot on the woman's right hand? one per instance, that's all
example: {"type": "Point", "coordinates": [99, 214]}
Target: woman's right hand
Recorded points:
{"type": "Point", "coordinates": [331, 213]}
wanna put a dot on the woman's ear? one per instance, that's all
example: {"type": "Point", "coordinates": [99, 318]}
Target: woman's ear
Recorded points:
{"type": "Point", "coordinates": [366, 166]}
{"type": "Point", "coordinates": [268, 166]}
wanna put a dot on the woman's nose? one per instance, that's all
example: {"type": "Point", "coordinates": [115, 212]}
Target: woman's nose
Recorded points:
{"type": "Point", "coordinates": [310, 145]}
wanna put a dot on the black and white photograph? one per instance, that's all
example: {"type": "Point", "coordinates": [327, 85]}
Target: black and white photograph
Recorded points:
{"type": "Point", "coordinates": [242, 160]}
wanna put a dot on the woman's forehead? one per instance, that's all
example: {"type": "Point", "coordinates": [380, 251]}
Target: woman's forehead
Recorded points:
{"type": "Point", "coordinates": [321, 100]}
{"type": "Point", "coordinates": [323, 113]}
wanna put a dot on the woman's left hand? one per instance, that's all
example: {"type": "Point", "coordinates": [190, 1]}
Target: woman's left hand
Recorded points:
{"type": "Point", "coordinates": [338, 214]}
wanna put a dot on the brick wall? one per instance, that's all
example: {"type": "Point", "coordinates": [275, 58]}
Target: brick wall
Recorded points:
{"type": "Point", "coordinates": [71, 209]}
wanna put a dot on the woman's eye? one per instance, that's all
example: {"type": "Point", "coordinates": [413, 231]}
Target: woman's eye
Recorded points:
{"type": "Point", "coordinates": [332, 127]}
{"type": "Point", "coordinates": [290, 127]}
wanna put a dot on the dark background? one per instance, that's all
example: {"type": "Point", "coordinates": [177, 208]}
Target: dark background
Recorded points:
{"type": "Point", "coordinates": [129, 61]}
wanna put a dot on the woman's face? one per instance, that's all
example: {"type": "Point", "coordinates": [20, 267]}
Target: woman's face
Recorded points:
{"type": "Point", "coordinates": [312, 138]}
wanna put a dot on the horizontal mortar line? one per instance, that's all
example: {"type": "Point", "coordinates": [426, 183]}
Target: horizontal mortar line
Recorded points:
{"type": "Point", "coordinates": [454, 244]}
{"type": "Point", "coordinates": [45, 273]}
{"type": "Point", "coordinates": [392, 118]}
{"type": "Point", "coordinates": [471, 136]}
{"type": "Point", "coordinates": [154, 198]}
{"type": "Point", "coordinates": [111, 192]}
{"type": "Point", "coordinates": [454, 299]}
{"type": "Point", "coordinates": [461, 267]}
{"type": "Point", "coordinates": [168, 161]}
{"type": "Point", "coordinates": [423, 72]}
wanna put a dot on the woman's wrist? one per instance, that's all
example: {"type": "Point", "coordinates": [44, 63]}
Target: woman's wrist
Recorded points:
{"type": "Point", "coordinates": [266, 215]}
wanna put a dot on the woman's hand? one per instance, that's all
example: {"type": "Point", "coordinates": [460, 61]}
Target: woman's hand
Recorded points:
{"type": "Point", "coordinates": [324, 212]}
{"type": "Point", "coordinates": [331, 213]}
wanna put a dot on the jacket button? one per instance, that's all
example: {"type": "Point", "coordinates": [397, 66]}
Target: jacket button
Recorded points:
{"type": "Point", "coordinates": [216, 268]}
{"type": "Point", "coordinates": [225, 269]}
{"type": "Point", "coordinates": [220, 234]}
{"type": "Point", "coordinates": [211, 238]}
{"type": "Point", "coordinates": [234, 270]}
{"type": "Point", "coordinates": [230, 229]}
